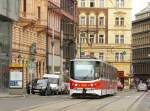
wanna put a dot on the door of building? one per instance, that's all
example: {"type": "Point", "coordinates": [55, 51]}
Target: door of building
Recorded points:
{"type": "Point", "coordinates": [4, 76]}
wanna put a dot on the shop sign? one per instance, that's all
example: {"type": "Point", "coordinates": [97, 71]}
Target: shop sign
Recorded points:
{"type": "Point", "coordinates": [16, 80]}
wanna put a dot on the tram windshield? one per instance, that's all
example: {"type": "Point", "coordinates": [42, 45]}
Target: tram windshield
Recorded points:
{"type": "Point", "coordinates": [83, 70]}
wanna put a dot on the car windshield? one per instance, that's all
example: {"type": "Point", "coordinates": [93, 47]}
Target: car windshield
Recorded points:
{"type": "Point", "coordinates": [42, 81]}
{"type": "Point", "coordinates": [83, 70]}
{"type": "Point", "coordinates": [53, 80]}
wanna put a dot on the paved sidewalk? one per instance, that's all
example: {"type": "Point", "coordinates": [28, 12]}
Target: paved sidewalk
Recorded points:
{"type": "Point", "coordinates": [7, 95]}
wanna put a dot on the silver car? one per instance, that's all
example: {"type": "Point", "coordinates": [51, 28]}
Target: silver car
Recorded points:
{"type": "Point", "coordinates": [142, 87]}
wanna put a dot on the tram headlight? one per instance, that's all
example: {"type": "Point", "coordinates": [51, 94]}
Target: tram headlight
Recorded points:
{"type": "Point", "coordinates": [76, 84]}
{"type": "Point", "coordinates": [92, 85]}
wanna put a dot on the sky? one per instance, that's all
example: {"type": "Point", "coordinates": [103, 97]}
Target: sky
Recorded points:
{"type": "Point", "coordinates": [138, 5]}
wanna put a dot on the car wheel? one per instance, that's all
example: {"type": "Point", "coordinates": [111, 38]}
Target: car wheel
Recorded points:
{"type": "Point", "coordinates": [42, 93]}
{"type": "Point", "coordinates": [28, 91]}
{"type": "Point", "coordinates": [32, 92]}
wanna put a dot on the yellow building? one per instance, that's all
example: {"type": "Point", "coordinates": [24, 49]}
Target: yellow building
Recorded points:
{"type": "Point", "coordinates": [105, 32]}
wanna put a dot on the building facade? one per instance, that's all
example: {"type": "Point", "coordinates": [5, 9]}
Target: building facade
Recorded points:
{"type": "Point", "coordinates": [8, 14]}
{"type": "Point", "coordinates": [141, 44]}
{"type": "Point", "coordinates": [28, 50]}
{"type": "Point", "coordinates": [104, 32]}
{"type": "Point", "coordinates": [54, 22]}
{"type": "Point", "coordinates": [68, 26]}
{"type": "Point", "coordinates": [61, 34]}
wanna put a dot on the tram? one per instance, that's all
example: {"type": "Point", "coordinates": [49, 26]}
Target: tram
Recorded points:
{"type": "Point", "coordinates": [92, 77]}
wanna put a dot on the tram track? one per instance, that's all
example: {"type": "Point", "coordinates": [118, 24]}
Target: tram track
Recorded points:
{"type": "Point", "coordinates": [102, 104]}
{"type": "Point", "coordinates": [107, 104]}
{"type": "Point", "coordinates": [41, 105]}
{"type": "Point", "coordinates": [119, 99]}
{"type": "Point", "coordinates": [136, 101]}
{"type": "Point", "coordinates": [66, 108]}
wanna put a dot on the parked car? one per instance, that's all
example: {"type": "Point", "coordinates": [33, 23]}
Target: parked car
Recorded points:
{"type": "Point", "coordinates": [142, 87]}
{"type": "Point", "coordinates": [41, 86]}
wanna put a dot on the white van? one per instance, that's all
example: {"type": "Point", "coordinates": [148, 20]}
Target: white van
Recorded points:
{"type": "Point", "coordinates": [56, 83]}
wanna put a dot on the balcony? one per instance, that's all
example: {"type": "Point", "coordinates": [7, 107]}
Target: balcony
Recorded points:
{"type": "Point", "coordinates": [26, 19]}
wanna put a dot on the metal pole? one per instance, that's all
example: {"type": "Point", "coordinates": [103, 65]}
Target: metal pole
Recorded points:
{"type": "Point", "coordinates": [61, 53]}
{"type": "Point", "coordinates": [47, 43]}
{"type": "Point", "coordinates": [80, 46]}
{"type": "Point", "coordinates": [53, 51]}
{"type": "Point", "coordinates": [31, 83]}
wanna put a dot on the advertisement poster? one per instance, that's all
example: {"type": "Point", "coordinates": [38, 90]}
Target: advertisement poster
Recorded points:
{"type": "Point", "coordinates": [15, 80]}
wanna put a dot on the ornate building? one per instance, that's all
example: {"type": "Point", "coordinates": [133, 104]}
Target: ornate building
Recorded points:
{"type": "Point", "coordinates": [104, 32]}
{"type": "Point", "coordinates": [141, 44]}
{"type": "Point", "coordinates": [68, 26]}
{"type": "Point", "coordinates": [61, 38]}
{"type": "Point", "coordinates": [28, 48]}
{"type": "Point", "coordinates": [53, 42]}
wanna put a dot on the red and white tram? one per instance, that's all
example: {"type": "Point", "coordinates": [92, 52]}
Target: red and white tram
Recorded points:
{"type": "Point", "coordinates": [92, 77]}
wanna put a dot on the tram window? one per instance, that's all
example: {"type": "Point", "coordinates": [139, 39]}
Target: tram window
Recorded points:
{"type": "Point", "coordinates": [97, 73]}
{"type": "Point", "coordinates": [72, 69]}
{"type": "Point", "coordinates": [101, 70]}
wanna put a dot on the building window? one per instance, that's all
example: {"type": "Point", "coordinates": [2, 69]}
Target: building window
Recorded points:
{"type": "Point", "coordinates": [117, 21]}
{"type": "Point", "coordinates": [91, 54]}
{"type": "Point", "coordinates": [82, 3]}
{"type": "Point", "coordinates": [119, 39]}
{"type": "Point", "coordinates": [122, 39]}
{"type": "Point", "coordinates": [101, 56]}
{"type": "Point", "coordinates": [101, 39]}
{"type": "Point", "coordinates": [82, 20]}
{"type": "Point", "coordinates": [101, 21]}
{"type": "Point", "coordinates": [119, 57]}
{"type": "Point", "coordinates": [121, 21]}
{"type": "Point", "coordinates": [120, 3]}
{"type": "Point", "coordinates": [101, 3]}
{"type": "Point", "coordinates": [91, 39]}
{"type": "Point", "coordinates": [82, 38]}
{"type": "Point", "coordinates": [92, 20]}
{"type": "Point", "coordinates": [82, 54]}
{"type": "Point", "coordinates": [39, 12]}
{"type": "Point", "coordinates": [92, 3]}
{"type": "Point", "coordinates": [24, 5]}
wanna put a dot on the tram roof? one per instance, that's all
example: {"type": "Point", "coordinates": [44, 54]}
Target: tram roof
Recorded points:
{"type": "Point", "coordinates": [86, 59]}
